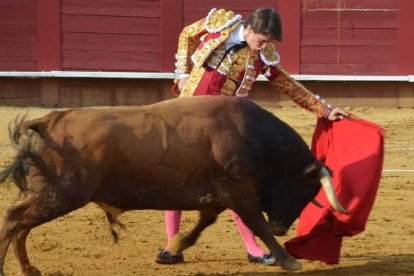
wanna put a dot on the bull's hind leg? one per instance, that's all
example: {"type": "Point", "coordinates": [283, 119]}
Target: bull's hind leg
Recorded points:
{"type": "Point", "coordinates": [12, 231]}
{"type": "Point", "coordinates": [181, 242]}
{"type": "Point", "coordinates": [19, 246]}
{"type": "Point", "coordinates": [33, 211]}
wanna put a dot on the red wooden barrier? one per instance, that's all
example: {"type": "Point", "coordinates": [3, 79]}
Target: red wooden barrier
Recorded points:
{"type": "Point", "coordinates": [111, 35]}
{"type": "Point", "coordinates": [349, 37]}
{"type": "Point", "coordinates": [48, 35]}
{"type": "Point", "coordinates": [171, 26]}
{"type": "Point", "coordinates": [289, 48]}
{"type": "Point", "coordinates": [352, 37]}
{"type": "Point", "coordinates": [406, 38]}
{"type": "Point", "coordinates": [18, 50]}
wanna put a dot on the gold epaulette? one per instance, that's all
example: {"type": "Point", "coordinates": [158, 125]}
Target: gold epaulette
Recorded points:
{"type": "Point", "coordinates": [218, 20]}
{"type": "Point", "coordinates": [269, 55]}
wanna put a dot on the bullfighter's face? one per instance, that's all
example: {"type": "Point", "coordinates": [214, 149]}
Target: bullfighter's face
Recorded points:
{"type": "Point", "coordinates": [256, 41]}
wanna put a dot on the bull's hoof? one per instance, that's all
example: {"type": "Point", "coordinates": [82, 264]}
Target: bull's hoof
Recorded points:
{"type": "Point", "coordinates": [176, 244]}
{"type": "Point", "coordinates": [290, 264]}
{"type": "Point", "coordinates": [31, 271]}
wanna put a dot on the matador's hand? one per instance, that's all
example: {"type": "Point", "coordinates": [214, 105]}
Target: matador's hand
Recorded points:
{"type": "Point", "coordinates": [337, 114]}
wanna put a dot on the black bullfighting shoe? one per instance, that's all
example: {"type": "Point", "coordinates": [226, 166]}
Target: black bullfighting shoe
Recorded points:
{"type": "Point", "coordinates": [266, 259]}
{"type": "Point", "coordinates": [164, 257]}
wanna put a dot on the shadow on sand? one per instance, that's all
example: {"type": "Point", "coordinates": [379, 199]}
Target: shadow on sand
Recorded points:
{"type": "Point", "coordinates": [381, 265]}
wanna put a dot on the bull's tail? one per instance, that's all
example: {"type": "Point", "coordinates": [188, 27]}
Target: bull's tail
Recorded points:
{"type": "Point", "coordinates": [20, 138]}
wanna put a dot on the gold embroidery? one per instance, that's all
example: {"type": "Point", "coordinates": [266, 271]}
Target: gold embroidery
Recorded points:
{"type": "Point", "coordinates": [202, 55]}
{"type": "Point", "coordinates": [269, 56]}
{"type": "Point", "coordinates": [192, 82]}
{"type": "Point", "coordinates": [220, 19]}
{"type": "Point", "coordinates": [228, 88]}
{"type": "Point", "coordinates": [187, 44]}
{"type": "Point", "coordinates": [298, 93]}
{"type": "Point", "coordinates": [225, 65]}
{"type": "Point", "coordinates": [239, 63]}
{"type": "Point", "coordinates": [249, 73]}
{"type": "Point", "coordinates": [217, 56]}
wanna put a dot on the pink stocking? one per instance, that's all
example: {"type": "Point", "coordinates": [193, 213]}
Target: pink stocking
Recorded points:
{"type": "Point", "coordinates": [172, 225]}
{"type": "Point", "coordinates": [248, 237]}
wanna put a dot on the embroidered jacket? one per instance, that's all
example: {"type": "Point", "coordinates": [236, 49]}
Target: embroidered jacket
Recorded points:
{"type": "Point", "coordinates": [202, 46]}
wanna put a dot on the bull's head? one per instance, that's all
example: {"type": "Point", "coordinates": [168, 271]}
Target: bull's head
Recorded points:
{"type": "Point", "coordinates": [284, 203]}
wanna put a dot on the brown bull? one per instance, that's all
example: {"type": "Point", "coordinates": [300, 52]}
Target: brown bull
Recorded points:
{"type": "Point", "coordinates": [202, 153]}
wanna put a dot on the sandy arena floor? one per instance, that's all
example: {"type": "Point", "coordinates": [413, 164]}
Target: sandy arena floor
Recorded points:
{"type": "Point", "coordinates": [80, 243]}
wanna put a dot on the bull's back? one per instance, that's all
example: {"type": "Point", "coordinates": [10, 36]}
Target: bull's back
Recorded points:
{"type": "Point", "coordinates": [242, 128]}
{"type": "Point", "coordinates": [172, 145]}
{"type": "Point", "coordinates": [182, 127]}
{"type": "Point", "coordinates": [158, 139]}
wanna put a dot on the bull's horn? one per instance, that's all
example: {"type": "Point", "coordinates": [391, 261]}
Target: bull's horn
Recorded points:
{"type": "Point", "coordinates": [317, 203]}
{"type": "Point", "coordinates": [326, 182]}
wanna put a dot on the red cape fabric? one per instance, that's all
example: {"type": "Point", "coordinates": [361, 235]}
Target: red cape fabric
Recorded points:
{"type": "Point", "coordinates": [353, 149]}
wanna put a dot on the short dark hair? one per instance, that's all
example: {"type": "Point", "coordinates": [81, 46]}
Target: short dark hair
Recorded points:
{"type": "Point", "coordinates": [265, 21]}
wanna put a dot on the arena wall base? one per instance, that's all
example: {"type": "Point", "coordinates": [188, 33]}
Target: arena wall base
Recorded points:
{"type": "Point", "coordinates": [80, 92]}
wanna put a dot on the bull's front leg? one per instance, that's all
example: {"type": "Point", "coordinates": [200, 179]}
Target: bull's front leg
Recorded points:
{"type": "Point", "coordinates": [238, 192]}
{"type": "Point", "coordinates": [251, 214]}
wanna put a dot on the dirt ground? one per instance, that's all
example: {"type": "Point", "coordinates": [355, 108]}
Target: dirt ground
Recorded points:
{"type": "Point", "coordinates": [80, 243]}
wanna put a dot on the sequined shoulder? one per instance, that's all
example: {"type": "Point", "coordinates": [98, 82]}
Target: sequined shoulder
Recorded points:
{"type": "Point", "coordinates": [218, 20]}
{"type": "Point", "coordinates": [269, 55]}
